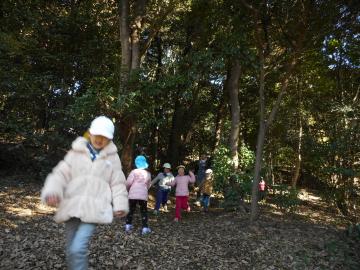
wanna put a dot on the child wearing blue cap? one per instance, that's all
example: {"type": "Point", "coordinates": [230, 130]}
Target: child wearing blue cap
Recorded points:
{"type": "Point", "coordinates": [138, 184]}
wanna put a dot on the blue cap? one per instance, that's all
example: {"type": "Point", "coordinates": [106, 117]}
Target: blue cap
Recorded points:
{"type": "Point", "coordinates": [140, 162]}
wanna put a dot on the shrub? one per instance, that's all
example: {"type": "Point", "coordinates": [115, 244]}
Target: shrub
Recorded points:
{"type": "Point", "coordinates": [285, 198]}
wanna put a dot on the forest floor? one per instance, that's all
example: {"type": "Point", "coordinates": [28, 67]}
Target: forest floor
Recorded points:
{"type": "Point", "coordinates": [312, 238]}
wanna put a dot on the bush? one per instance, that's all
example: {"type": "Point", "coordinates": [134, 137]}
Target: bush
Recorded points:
{"type": "Point", "coordinates": [239, 190]}
{"type": "Point", "coordinates": [285, 198]}
{"type": "Point", "coordinates": [222, 169]}
{"type": "Point", "coordinates": [235, 185]}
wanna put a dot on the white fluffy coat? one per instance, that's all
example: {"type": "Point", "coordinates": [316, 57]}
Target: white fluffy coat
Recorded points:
{"type": "Point", "coordinates": [88, 190]}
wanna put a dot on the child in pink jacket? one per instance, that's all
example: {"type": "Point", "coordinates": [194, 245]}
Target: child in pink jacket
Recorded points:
{"type": "Point", "coordinates": [182, 191]}
{"type": "Point", "coordinates": [138, 184]}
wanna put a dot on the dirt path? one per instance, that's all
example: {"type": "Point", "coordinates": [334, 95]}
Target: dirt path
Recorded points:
{"type": "Point", "coordinates": [29, 239]}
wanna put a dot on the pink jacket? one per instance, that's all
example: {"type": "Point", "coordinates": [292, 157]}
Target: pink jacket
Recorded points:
{"type": "Point", "coordinates": [182, 184]}
{"type": "Point", "coordinates": [138, 183]}
{"type": "Point", "coordinates": [89, 190]}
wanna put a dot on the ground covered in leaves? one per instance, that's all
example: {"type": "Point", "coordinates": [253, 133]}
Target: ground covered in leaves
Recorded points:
{"type": "Point", "coordinates": [314, 238]}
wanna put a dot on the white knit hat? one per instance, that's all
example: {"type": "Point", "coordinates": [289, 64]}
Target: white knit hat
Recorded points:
{"type": "Point", "coordinates": [167, 166]}
{"type": "Point", "coordinates": [102, 126]}
{"type": "Point", "coordinates": [209, 171]}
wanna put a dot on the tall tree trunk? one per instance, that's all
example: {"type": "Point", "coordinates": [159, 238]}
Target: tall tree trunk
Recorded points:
{"type": "Point", "coordinates": [232, 85]}
{"type": "Point", "coordinates": [264, 126]}
{"type": "Point", "coordinates": [135, 33]}
{"type": "Point", "coordinates": [124, 8]}
{"type": "Point", "coordinates": [261, 24]}
{"type": "Point", "coordinates": [296, 175]}
{"type": "Point", "coordinates": [158, 112]}
{"type": "Point", "coordinates": [259, 143]}
{"type": "Point", "coordinates": [175, 134]}
{"type": "Point", "coordinates": [219, 122]}
{"type": "Point", "coordinates": [130, 60]}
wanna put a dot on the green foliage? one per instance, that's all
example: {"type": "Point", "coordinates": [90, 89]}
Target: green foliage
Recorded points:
{"type": "Point", "coordinates": [238, 191]}
{"type": "Point", "coordinates": [236, 186]}
{"type": "Point", "coordinates": [285, 198]}
{"type": "Point", "coordinates": [246, 158]}
{"type": "Point", "coordinates": [222, 167]}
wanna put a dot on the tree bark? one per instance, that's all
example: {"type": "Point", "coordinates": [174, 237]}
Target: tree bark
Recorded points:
{"type": "Point", "coordinates": [219, 122]}
{"type": "Point", "coordinates": [130, 61]}
{"type": "Point", "coordinates": [259, 143]}
{"type": "Point", "coordinates": [296, 175]}
{"type": "Point", "coordinates": [135, 33]}
{"type": "Point", "coordinates": [232, 85]}
{"type": "Point", "coordinates": [124, 8]}
{"type": "Point", "coordinates": [175, 134]}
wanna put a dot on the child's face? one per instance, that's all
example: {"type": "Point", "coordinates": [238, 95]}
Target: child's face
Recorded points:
{"type": "Point", "coordinates": [181, 171]}
{"type": "Point", "coordinates": [98, 141]}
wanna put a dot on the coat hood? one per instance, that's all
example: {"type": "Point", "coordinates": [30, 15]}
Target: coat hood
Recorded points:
{"type": "Point", "coordinates": [79, 145]}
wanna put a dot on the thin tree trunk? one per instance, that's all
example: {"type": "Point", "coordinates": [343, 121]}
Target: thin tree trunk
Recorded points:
{"type": "Point", "coordinates": [259, 143]}
{"type": "Point", "coordinates": [135, 34]}
{"type": "Point", "coordinates": [127, 136]}
{"type": "Point", "coordinates": [232, 85]}
{"type": "Point", "coordinates": [299, 148]}
{"type": "Point", "coordinates": [263, 127]}
{"type": "Point", "coordinates": [125, 35]}
{"type": "Point", "coordinates": [219, 122]}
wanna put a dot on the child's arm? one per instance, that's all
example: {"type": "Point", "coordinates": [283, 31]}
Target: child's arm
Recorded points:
{"type": "Point", "coordinates": [130, 180]}
{"type": "Point", "coordinates": [192, 177]}
{"type": "Point", "coordinates": [155, 180]}
{"type": "Point", "coordinates": [148, 181]}
{"type": "Point", "coordinates": [118, 190]}
{"type": "Point", "coordinates": [172, 183]}
{"type": "Point", "coordinates": [55, 183]}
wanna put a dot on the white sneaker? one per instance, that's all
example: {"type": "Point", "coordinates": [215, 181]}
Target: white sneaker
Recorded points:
{"type": "Point", "coordinates": [145, 230]}
{"type": "Point", "coordinates": [128, 228]}
{"type": "Point", "coordinates": [165, 209]}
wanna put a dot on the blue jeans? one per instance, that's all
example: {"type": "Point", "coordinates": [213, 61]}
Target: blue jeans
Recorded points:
{"type": "Point", "coordinates": [205, 200]}
{"type": "Point", "coordinates": [78, 235]}
{"type": "Point", "coordinates": [161, 198]}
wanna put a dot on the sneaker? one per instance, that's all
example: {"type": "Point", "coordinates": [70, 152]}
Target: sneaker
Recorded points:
{"type": "Point", "coordinates": [156, 212]}
{"type": "Point", "coordinates": [128, 228]}
{"type": "Point", "coordinates": [145, 230]}
{"type": "Point", "coordinates": [165, 209]}
{"type": "Point", "coordinates": [176, 220]}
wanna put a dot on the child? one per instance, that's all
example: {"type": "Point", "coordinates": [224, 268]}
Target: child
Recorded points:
{"type": "Point", "coordinates": [163, 189]}
{"type": "Point", "coordinates": [88, 187]}
{"type": "Point", "coordinates": [138, 183]}
{"type": "Point", "coordinates": [262, 188]}
{"type": "Point", "coordinates": [206, 188]}
{"type": "Point", "coordinates": [182, 190]}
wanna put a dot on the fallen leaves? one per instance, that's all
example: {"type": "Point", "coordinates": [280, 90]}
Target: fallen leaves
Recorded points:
{"type": "Point", "coordinates": [215, 240]}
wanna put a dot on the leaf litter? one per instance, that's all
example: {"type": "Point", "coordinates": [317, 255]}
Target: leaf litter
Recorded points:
{"type": "Point", "coordinates": [30, 239]}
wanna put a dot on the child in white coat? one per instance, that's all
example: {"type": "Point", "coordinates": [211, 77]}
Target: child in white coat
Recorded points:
{"type": "Point", "coordinates": [88, 188]}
